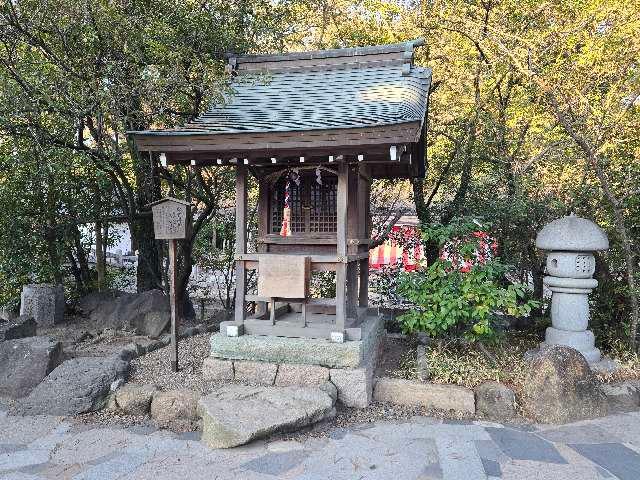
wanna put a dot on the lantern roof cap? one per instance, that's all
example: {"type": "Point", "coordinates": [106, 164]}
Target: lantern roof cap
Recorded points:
{"type": "Point", "coordinates": [573, 234]}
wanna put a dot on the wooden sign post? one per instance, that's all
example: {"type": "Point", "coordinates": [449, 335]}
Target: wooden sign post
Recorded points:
{"type": "Point", "coordinates": [170, 222]}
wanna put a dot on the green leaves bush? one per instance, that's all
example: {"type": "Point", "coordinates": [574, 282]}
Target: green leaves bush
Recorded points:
{"type": "Point", "coordinates": [450, 299]}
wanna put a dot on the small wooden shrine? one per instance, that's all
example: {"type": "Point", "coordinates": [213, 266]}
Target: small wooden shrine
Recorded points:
{"type": "Point", "coordinates": [314, 129]}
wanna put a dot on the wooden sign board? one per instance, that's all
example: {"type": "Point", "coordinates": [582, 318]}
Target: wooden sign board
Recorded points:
{"type": "Point", "coordinates": [170, 217]}
{"type": "Point", "coordinates": [283, 276]}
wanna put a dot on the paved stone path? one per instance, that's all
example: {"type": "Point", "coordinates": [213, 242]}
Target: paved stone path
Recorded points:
{"type": "Point", "coordinates": [34, 448]}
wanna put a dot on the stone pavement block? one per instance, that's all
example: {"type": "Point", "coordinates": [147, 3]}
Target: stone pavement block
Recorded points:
{"type": "Point", "coordinates": [123, 464]}
{"type": "Point", "coordinates": [459, 460]}
{"type": "Point", "coordinates": [433, 471]}
{"type": "Point", "coordinates": [519, 445]}
{"type": "Point", "coordinates": [20, 476]}
{"type": "Point", "coordinates": [579, 434]}
{"type": "Point", "coordinates": [615, 458]}
{"type": "Point", "coordinates": [276, 463]}
{"type": "Point", "coordinates": [488, 450]}
{"type": "Point", "coordinates": [491, 468]}
{"type": "Point", "coordinates": [462, 432]}
{"type": "Point", "coordinates": [90, 445]}
{"type": "Point", "coordinates": [624, 428]}
{"type": "Point", "coordinates": [24, 430]}
{"type": "Point", "coordinates": [22, 459]}
{"type": "Point", "coordinates": [528, 470]}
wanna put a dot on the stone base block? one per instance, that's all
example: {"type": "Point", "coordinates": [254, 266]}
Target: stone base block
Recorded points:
{"type": "Point", "coordinates": [283, 361]}
{"type": "Point", "coordinates": [429, 395]}
{"type": "Point", "coordinates": [217, 370]}
{"type": "Point", "coordinates": [289, 374]}
{"type": "Point", "coordinates": [261, 373]}
{"type": "Point", "coordinates": [311, 351]}
{"type": "Point", "coordinates": [355, 386]}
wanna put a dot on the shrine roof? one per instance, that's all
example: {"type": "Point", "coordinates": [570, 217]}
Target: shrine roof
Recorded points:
{"type": "Point", "coordinates": [326, 89]}
{"type": "Point", "coordinates": [351, 97]}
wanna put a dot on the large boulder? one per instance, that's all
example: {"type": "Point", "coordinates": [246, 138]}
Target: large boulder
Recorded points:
{"type": "Point", "coordinates": [237, 414]}
{"type": "Point", "coordinates": [146, 313]}
{"type": "Point", "coordinates": [560, 387]}
{"type": "Point", "coordinates": [495, 401]}
{"type": "Point", "coordinates": [25, 362]}
{"type": "Point", "coordinates": [77, 386]}
{"type": "Point", "coordinates": [44, 302]}
{"type": "Point", "coordinates": [20, 327]}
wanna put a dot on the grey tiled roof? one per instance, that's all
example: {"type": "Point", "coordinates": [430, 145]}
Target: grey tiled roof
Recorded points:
{"type": "Point", "coordinates": [331, 89]}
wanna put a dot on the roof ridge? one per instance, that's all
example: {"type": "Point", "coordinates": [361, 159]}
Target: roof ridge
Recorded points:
{"type": "Point", "coordinates": [329, 53]}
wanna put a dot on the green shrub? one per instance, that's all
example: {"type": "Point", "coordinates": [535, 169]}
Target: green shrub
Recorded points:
{"type": "Point", "coordinates": [461, 294]}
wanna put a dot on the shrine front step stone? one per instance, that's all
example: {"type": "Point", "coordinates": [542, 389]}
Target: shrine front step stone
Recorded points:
{"type": "Point", "coordinates": [280, 350]}
{"type": "Point", "coordinates": [237, 414]}
{"type": "Point", "coordinates": [429, 395]}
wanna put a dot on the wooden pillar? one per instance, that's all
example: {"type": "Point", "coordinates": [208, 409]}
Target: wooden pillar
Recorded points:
{"type": "Point", "coordinates": [173, 281]}
{"type": "Point", "coordinates": [341, 238]}
{"type": "Point", "coordinates": [241, 240]}
{"type": "Point", "coordinates": [352, 289]}
{"type": "Point", "coordinates": [364, 198]}
{"type": "Point", "coordinates": [263, 230]}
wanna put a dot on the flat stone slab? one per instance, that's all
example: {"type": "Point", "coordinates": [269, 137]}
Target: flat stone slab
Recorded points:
{"type": "Point", "coordinates": [429, 395]}
{"type": "Point", "coordinates": [236, 414]}
{"type": "Point", "coordinates": [310, 351]}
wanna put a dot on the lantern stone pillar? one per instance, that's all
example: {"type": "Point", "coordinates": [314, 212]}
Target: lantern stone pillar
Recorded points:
{"type": "Point", "coordinates": [571, 242]}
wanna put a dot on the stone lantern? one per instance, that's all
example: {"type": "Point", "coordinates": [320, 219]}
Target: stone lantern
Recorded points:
{"type": "Point", "coordinates": [571, 242]}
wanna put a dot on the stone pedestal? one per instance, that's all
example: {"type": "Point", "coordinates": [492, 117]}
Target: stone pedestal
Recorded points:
{"type": "Point", "coordinates": [570, 315]}
{"type": "Point", "coordinates": [44, 302]}
{"type": "Point", "coordinates": [270, 360]}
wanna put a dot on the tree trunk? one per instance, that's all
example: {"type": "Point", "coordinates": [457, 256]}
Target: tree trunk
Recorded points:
{"type": "Point", "coordinates": [100, 257]}
{"type": "Point", "coordinates": [149, 275]}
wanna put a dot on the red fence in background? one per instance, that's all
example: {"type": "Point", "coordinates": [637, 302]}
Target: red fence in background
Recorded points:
{"type": "Point", "coordinates": [410, 252]}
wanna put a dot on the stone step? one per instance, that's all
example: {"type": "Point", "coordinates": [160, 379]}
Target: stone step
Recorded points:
{"type": "Point", "coordinates": [237, 414]}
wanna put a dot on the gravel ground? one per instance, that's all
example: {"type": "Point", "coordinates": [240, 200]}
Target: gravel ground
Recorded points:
{"type": "Point", "coordinates": [155, 367]}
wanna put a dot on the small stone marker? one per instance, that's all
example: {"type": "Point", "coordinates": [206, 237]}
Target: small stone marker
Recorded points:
{"type": "Point", "coordinates": [43, 302]}
{"type": "Point", "coordinates": [171, 222]}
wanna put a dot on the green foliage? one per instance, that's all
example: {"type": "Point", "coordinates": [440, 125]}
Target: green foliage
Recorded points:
{"type": "Point", "coordinates": [449, 300]}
